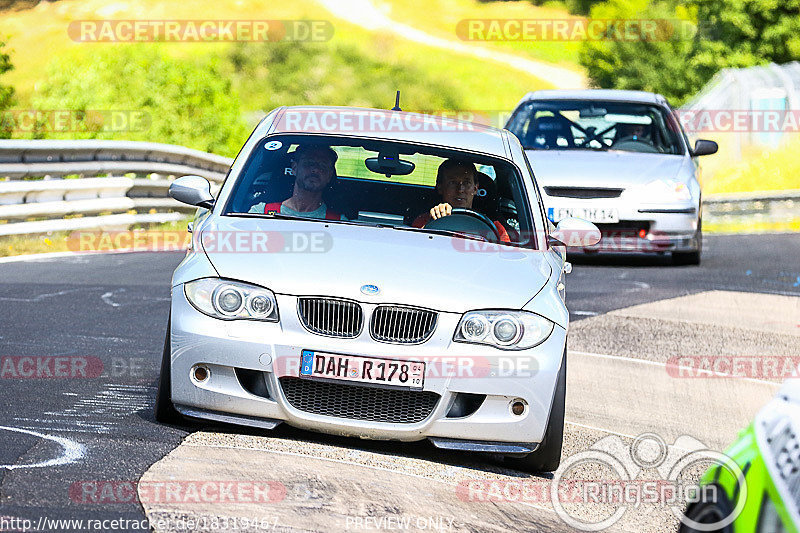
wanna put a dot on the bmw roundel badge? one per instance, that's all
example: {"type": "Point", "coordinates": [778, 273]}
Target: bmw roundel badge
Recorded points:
{"type": "Point", "coordinates": [370, 290]}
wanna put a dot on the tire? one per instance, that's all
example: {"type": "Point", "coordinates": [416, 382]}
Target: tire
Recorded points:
{"type": "Point", "coordinates": [709, 513]}
{"type": "Point", "coordinates": [164, 410]}
{"type": "Point", "coordinates": [690, 258]}
{"type": "Point", "coordinates": [548, 456]}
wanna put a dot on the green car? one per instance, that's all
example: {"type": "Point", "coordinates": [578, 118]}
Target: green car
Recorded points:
{"type": "Point", "coordinates": [767, 499]}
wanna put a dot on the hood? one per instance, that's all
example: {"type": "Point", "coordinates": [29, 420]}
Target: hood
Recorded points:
{"type": "Point", "coordinates": [411, 268]}
{"type": "Point", "coordinates": [615, 169]}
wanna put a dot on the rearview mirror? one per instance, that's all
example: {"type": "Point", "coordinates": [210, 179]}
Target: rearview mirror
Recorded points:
{"type": "Point", "coordinates": [704, 147]}
{"type": "Point", "coordinates": [192, 190]}
{"type": "Point", "coordinates": [389, 165]}
{"type": "Point", "coordinates": [574, 232]}
{"type": "Point", "coordinates": [592, 112]}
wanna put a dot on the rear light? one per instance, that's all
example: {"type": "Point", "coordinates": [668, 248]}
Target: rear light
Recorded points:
{"type": "Point", "coordinates": [642, 234]}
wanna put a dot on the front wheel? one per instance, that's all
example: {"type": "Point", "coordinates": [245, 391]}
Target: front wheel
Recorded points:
{"type": "Point", "coordinates": [547, 457]}
{"type": "Point", "coordinates": [690, 258]}
{"type": "Point", "coordinates": [164, 410]}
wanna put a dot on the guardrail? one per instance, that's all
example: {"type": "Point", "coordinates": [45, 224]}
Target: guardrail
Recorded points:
{"type": "Point", "coordinates": [774, 206]}
{"type": "Point", "coordinates": [38, 193]}
{"type": "Point", "coordinates": [50, 185]}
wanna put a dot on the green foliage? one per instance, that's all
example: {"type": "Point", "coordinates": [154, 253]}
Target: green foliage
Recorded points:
{"type": "Point", "coordinates": [743, 33]}
{"type": "Point", "coordinates": [6, 93]}
{"type": "Point", "coordinates": [657, 65]}
{"type": "Point", "coordinates": [715, 34]}
{"type": "Point", "coordinates": [177, 101]}
{"type": "Point", "coordinates": [336, 73]}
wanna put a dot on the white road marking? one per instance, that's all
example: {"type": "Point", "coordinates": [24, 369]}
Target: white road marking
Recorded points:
{"type": "Point", "coordinates": [107, 297]}
{"type": "Point", "coordinates": [584, 313]}
{"type": "Point", "coordinates": [640, 286]}
{"type": "Point", "coordinates": [37, 257]}
{"type": "Point", "coordinates": [73, 451]}
{"type": "Point", "coordinates": [40, 297]}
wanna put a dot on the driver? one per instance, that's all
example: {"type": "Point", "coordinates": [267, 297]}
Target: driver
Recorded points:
{"type": "Point", "coordinates": [457, 184]}
{"type": "Point", "coordinates": [633, 132]}
{"type": "Point", "coordinates": [314, 167]}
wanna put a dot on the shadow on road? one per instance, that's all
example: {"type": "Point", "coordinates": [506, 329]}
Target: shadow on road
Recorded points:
{"type": "Point", "coordinates": [422, 450]}
{"type": "Point", "coordinates": [619, 259]}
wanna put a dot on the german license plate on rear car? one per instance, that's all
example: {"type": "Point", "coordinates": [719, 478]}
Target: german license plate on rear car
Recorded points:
{"type": "Point", "coordinates": [592, 214]}
{"type": "Point", "coordinates": [333, 366]}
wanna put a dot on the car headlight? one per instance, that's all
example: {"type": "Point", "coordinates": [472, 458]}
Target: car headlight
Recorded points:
{"type": "Point", "coordinates": [669, 190]}
{"type": "Point", "coordinates": [509, 330]}
{"type": "Point", "coordinates": [232, 300]}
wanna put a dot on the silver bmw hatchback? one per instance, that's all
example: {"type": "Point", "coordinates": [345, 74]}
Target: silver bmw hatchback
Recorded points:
{"type": "Point", "coordinates": [376, 274]}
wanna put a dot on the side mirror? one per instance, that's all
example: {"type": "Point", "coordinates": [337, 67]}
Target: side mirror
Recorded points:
{"type": "Point", "coordinates": [704, 147]}
{"type": "Point", "coordinates": [574, 232]}
{"type": "Point", "coordinates": [192, 190]}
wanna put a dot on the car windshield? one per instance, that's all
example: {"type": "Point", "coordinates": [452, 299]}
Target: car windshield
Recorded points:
{"type": "Point", "coordinates": [596, 125]}
{"type": "Point", "coordinates": [383, 183]}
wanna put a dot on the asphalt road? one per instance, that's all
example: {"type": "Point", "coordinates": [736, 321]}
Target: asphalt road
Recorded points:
{"type": "Point", "coordinates": [93, 327]}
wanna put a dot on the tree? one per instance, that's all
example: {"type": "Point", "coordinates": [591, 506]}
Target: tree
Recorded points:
{"type": "Point", "coordinates": [656, 65]}
{"type": "Point", "coordinates": [180, 101]}
{"type": "Point", "coordinates": [711, 35]}
{"type": "Point", "coordinates": [6, 94]}
{"type": "Point", "coordinates": [744, 33]}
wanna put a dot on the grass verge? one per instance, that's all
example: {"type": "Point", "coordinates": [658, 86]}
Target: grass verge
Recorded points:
{"type": "Point", "coordinates": [442, 17]}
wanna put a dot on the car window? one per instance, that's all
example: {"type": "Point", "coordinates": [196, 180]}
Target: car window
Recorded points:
{"type": "Point", "coordinates": [595, 125]}
{"type": "Point", "coordinates": [379, 182]}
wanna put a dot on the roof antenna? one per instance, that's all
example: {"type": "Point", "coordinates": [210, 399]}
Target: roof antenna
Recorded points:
{"type": "Point", "coordinates": [397, 102]}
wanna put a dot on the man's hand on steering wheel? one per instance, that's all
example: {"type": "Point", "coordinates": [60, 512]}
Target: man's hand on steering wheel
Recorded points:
{"type": "Point", "coordinates": [441, 210]}
{"type": "Point", "coordinates": [493, 234]}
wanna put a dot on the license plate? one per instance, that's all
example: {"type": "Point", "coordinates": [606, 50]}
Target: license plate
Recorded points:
{"type": "Point", "coordinates": [373, 370]}
{"type": "Point", "coordinates": [592, 214]}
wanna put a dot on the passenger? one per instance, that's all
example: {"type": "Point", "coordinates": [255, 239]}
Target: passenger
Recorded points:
{"type": "Point", "coordinates": [457, 184]}
{"type": "Point", "coordinates": [313, 168]}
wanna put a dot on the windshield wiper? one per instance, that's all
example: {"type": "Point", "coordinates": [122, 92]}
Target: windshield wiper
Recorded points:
{"type": "Point", "coordinates": [445, 232]}
{"type": "Point", "coordinates": [308, 219]}
{"type": "Point", "coordinates": [265, 215]}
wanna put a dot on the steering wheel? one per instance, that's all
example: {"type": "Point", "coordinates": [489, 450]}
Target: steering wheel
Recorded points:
{"type": "Point", "coordinates": [634, 145]}
{"type": "Point", "coordinates": [467, 221]}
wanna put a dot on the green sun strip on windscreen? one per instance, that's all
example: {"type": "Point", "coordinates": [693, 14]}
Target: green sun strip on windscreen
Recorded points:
{"type": "Point", "coordinates": [351, 165]}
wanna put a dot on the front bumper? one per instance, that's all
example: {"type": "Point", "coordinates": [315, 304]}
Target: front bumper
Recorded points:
{"type": "Point", "coordinates": [273, 350]}
{"type": "Point", "coordinates": [642, 227]}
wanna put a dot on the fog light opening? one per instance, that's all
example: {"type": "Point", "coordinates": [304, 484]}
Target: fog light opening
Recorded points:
{"type": "Point", "coordinates": [518, 407]}
{"type": "Point", "coordinates": [201, 373]}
